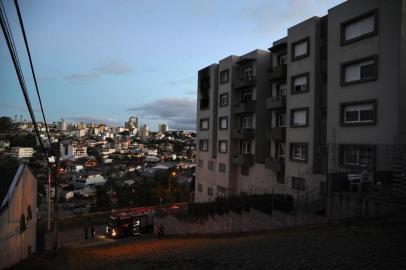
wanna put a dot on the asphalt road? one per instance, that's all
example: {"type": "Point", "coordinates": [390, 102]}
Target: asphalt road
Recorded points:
{"type": "Point", "coordinates": [362, 246]}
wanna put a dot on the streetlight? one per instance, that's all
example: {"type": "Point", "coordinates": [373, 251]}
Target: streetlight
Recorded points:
{"type": "Point", "coordinates": [173, 174]}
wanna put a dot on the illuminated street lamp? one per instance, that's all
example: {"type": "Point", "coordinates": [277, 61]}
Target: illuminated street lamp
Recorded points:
{"type": "Point", "coordinates": [173, 174]}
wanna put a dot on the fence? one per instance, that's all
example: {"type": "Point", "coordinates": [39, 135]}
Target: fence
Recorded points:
{"type": "Point", "coordinates": [365, 168]}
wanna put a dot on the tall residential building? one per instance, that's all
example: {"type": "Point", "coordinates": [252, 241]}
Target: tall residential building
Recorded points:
{"type": "Point", "coordinates": [163, 128]}
{"type": "Point", "coordinates": [265, 118]}
{"type": "Point", "coordinates": [62, 125]}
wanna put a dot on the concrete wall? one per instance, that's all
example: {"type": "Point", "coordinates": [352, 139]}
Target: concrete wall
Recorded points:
{"type": "Point", "coordinates": [16, 246]}
{"type": "Point", "coordinates": [386, 45]}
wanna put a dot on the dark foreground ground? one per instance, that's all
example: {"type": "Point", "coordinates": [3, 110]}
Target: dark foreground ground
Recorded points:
{"type": "Point", "coordinates": [379, 245]}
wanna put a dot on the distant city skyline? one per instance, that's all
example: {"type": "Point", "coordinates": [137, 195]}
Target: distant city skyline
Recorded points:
{"type": "Point", "coordinates": [134, 57]}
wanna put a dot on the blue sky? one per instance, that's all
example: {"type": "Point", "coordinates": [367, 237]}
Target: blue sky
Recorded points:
{"type": "Point", "coordinates": [99, 60]}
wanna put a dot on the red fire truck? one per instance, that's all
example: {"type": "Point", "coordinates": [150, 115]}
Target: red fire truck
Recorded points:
{"type": "Point", "coordinates": [130, 223]}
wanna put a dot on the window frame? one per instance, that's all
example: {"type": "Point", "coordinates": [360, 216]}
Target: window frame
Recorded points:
{"type": "Point", "coordinates": [292, 49]}
{"type": "Point", "coordinates": [374, 12]}
{"type": "Point", "coordinates": [225, 71]}
{"type": "Point", "coordinates": [358, 147]}
{"type": "Point", "coordinates": [220, 98]}
{"type": "Point", "coordinates": [221, 118]}
{"type": "Point", "coordinates": [292, 111]}
{"type": "Point", "coordinates": [200, 145]}
{"type": "Point", "coordinates": [374, 103]}
{"type": "Point", "coordinates": [219, 146]}
{"type": "Point", "coordinates": [292, 83]}
{"type": "Point", "coordinates": [355, 61]}
{"type": "Point", "coordinates": [221, 166]}
{"type": "Point", "coordinates": [208, 124]}
{"type": "Point", "coordinates": [291, 157]}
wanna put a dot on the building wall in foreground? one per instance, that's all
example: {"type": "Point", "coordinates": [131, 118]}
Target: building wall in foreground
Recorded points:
{"type": "Point", "coordinates": [14, 244]}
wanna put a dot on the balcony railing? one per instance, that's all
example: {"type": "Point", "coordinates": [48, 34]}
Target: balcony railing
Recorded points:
{"type": "Point", "coordinates": [244, 107]}
{"type": "Point", "coordinates": [246, 81]}
{"type": "Point", "coordinates": [276, 164]}
{"type": "Point", "coordinates": [243, 133]}
{"type": "Point", "coordinates": [276, 102]}
{"type": "Point", "coordinates": [243, 159]}
{"type": "Point", "coordinates": [278, 72]}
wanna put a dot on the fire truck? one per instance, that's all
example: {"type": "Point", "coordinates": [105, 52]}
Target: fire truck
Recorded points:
{"type": "Point", "coordinates": [130, 223]}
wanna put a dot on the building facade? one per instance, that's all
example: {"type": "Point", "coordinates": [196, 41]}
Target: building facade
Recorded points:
{"type": "Point", "coordinates": [265, 120]}
{"type": "Point", "coordinates": [21, 152]}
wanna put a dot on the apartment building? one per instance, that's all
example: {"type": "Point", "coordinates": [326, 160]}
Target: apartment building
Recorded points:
{"type": "Point", "coordinates": [21, 152]}
{"type": "Point", "coordinates": [266, 119]}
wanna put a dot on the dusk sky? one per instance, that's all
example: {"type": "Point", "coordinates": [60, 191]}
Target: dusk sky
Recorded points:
{"type": "Point", "coordinates": [108, 60]}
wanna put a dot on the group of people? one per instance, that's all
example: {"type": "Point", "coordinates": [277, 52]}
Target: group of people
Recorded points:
{"type": "Point", "coordinates": [92, 232]}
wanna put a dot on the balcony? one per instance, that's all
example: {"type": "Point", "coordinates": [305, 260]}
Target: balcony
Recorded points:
{"type": "Point", "coordinates": [245, 81]}
{"type": "Point", "coordinates": [275, 103]}
{"type": "Point", "coordinates": [277, 73]}
{"type": "Point", "coordinates": [275, 164]}
{"type": "Point", "coordinates": [244, 107]}
{"type": "Point", "coordinates": [243, 159]}
{"type": "Point", "coordinates": [243, 133]}
{"type": "Point", "coordinates": [277, 134]}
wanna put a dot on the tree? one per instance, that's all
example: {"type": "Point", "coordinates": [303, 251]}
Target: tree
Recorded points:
{"type": "Point", "coordinates": [6, 124]}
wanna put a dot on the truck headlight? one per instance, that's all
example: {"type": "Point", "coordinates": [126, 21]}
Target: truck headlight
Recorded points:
{"type": "Point", "coordinates": [113, 233]}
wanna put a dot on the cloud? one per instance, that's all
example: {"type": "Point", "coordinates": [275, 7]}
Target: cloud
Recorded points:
{"type": "Point", "coordinates": [93, 119]}
{"type": "Point", "coordinates": [191, 80]}
{"type": "Point", "coordinates": [113, 68]}
{"type": "Point", "coordinates": [179, 113]}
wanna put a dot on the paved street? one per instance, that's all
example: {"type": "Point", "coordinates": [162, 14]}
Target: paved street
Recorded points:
{"type": "Point", "coordinates": [372, 246]}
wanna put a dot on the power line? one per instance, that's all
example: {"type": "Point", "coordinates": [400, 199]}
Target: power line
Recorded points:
{"type": "Point", "coordinates": [14, 55]}
{"type": "Point", "coordinates": [32, 69]}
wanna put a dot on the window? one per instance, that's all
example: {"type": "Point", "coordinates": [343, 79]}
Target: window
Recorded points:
{"type": "Point", "coordinates": [222, 167]}
{"type": "Point", "coordinates": [204, 124]}
{"type": "Point", "coordinates": [224, 76]}
{"type": "Point", "coordinates": [299, 117]}
{"type": "Point", "coordinates": [247, 73]}
{"type": "Point", "coordinates": [246, 97]}
{"type": "Point", "coordinates": [300, 83]}
{"type": "Point", "coordinates": [281, 119]}
{"type": "Point", "coordinates": [360, 70]}
{"type": "Point", "coordinates": [245, 170]}
{"type": "Point", "coordinates": [200, 163]}
{"type": "Point", "coordinates": [359, 28]}
{"type": "Point", "coordinates": [298, 151]}
{"type": "Point", "coordinates": [246, 122]}
{"type": "Point", "coordinates": [204, 93]}
{"type": "Point", "coordinates": [280, 150]}
{"type": "Point", "coordinates": [210, 191]}
{"type": "Point", "coordinates": [282, 59]}
{"type": "Point", "coordinates": [300, 49]}
{"type": "Point", "coordinates": [246, 148]}
{"type": "Point", "coordinates": [223, 146]}
{"type": "Point", "coordinates": [223, 123]}
{"type": "Point", "coordinates": [199, 187]}
{"type": "Point", "coordinates": [359, 113]}
{"type": "Point", "coordinates": [298, 183]}
{"type": "Point", "coordinates": [204, 145]}
{"type": "Point", "coordinates": [223, 100]}
{"type": "Point", "coordinates": [210, 165]}
{"type": "Point", "coordinates": [281, 91]}
{"type": "Point", "coordinates": [357, 155]}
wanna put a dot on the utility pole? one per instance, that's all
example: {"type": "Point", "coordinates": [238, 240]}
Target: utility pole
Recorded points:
{"type": "Point", "coordinates": [49, 201]}
{"type": "Point", "coordinates": [56, 205]}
